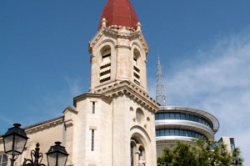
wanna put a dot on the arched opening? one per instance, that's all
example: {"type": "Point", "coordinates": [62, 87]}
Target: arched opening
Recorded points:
{"type": "Point", "coordinates": [137, 151]}
{"type": "Point", "coordinates": [141, 151]}
{"type": "Point", "coordinates": [105, 65]}
{"type": "Point", "coordinates": [136, 56]}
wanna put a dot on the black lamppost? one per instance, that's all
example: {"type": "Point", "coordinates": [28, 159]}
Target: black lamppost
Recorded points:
{"type": "Point", "coordinates": [36, 158]}
{"type": "Point", "coordinates": [57, 155]}
{"type": "Point", "coordinates": [15, 140]}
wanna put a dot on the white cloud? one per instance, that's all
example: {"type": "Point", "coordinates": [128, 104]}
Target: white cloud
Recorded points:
{"type": "Point", "coordinates": [217, 80]}
{"type": "Point", "coordinates": [75, 87]}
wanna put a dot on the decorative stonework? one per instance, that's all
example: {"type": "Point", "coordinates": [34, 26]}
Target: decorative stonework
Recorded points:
{"type": "Point", "coordinates": [86, 95]}
{"type": "Point", "coordinates": [123, 42]}
{"type": "Point", "coordinates": [131, 90]}
{"type": "Point", "coordinates": [44, 125]}
{"type": "Point", "coordinates": [116, 33]}
{"type": "Point", "coordinates": [68, 121]}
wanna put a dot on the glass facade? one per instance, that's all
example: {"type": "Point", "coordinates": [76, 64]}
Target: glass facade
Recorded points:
{"type": "Point", "coordinates": [182, 116]}
{"type": "Point", "coordinates": [178, 132]}
{"type": "Point", "coordinates": [232, 144]}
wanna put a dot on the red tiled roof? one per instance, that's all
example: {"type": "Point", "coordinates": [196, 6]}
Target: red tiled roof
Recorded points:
{"type": "Point", "coordinates": [120, 13]}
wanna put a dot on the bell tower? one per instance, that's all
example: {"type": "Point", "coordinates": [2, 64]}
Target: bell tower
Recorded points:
{"type": "Point", "coordinates": [113, 124]}
{"type": "Point", "coordinates": [119, 50]}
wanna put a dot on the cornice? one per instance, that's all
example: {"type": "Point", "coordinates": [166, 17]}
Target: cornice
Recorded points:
{"type": "Point", "coordinates": [94, 95]}
{"type": "Point", "coordinates": [138, 34]}
{"type": "Point", "coordinates": [132, 90]}
{"type": "Point", "coordinates": [71, 109]}
{"type": "Point", "coordinates": [119, 32]}
{"type": "Point", "coordinates": [43, 125]}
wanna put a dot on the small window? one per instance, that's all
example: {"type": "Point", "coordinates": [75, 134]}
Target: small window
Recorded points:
{"type": "Point", "coordinates": [176, 132]}
{"type": "Point", "coordinates": [183, 116]}
{"type": "Point", "coordinates": [167, 132]}
{"type": "Point", "coordinates": [171, 132]}
{"type": "Point", "coordinates": [167, 116]}
{"type": "Point", "coordinates": [162, 133]}
{"type": "Point", "coordinates": [181, 133]}
{"type": "Point", "coordinates": [92, 139]}
{"type": "Point", "coordinates": [93, 107]}
{"type": "Point", "coordinates": [156, 116]}
{"type": "Point", "coordinates": [232, 144]}
{"type": "Point", "coordinates": [172, 116]}
{"type": "Point", "coordinates": [161, 116]}
{"type": "Point", "coordinates": [177, 116]}
{"type": "Point", "coordinates": [191, 117]}
{"type": "Point", "coordinates": [3, 160]}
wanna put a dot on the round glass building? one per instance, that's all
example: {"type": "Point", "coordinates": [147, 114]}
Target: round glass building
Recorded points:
{"type": "Point", "coordinates": [183, 123]}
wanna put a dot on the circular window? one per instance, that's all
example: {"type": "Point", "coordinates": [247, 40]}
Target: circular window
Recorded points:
{"type": "Point", "coordinates": [139, 115]}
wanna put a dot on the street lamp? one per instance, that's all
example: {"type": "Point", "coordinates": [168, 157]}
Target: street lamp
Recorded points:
{"type": "Point", "coordinates": [57, 155]}
{"type": "Point", "coordinates": [14, 141]}
{"type": "Point", "coordinates": [35, 158]}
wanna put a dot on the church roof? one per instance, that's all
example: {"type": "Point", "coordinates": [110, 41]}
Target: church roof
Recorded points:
{"type": "Point", "coordinates": [120, 13]}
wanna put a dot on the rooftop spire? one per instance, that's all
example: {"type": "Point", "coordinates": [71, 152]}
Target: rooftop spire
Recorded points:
{"type": "Point", "coordinates": [119, 13]}
{"type": "Point", "coordinates": [160, 90]}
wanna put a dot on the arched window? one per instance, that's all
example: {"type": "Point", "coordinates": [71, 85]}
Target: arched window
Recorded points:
{"type": "Point", "coordinates": [136, 56]}
{"type": "Point", "coordinates": [105, 66]}
{"type": "Point", "coordinates": [3, 160]}
{"type": "Point", "coordinates": [137, 151]}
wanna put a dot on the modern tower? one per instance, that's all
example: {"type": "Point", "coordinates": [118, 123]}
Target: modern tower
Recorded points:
{"type": "Point", "coordinates": [175, 123]}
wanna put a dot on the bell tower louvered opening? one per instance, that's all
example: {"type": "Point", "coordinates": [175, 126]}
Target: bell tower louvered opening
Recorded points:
{"type": "Point", "coordinates": [105, 66]}
{"type": "Point", "coordinates": [136, 69]}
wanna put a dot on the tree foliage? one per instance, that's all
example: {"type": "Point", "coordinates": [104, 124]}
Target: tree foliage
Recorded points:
{"type": "Point", "coordinates": [200, 153]}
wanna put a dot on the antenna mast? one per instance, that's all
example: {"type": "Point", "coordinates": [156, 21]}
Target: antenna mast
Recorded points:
{"type": "Point", "coordinates": [160, 90]}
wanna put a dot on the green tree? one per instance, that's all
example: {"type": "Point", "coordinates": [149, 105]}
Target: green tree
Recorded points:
{"type": "Point", "coordinates": [237, 159]}
{"type": "Point", "coordinates": [200, 153]}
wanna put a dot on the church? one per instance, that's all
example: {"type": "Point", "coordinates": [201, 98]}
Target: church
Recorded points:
{"type": "Point", "coordinates": [113, 123]}
{"type": "Point", "coordinates": [117, 123]}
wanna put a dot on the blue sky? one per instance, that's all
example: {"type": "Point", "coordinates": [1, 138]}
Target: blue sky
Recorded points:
{"type": "Point", "coordinates": [204, 48]}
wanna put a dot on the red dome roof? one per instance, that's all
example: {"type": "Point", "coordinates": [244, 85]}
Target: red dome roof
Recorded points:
{"type": "Point", "coordinates": [119, 12]}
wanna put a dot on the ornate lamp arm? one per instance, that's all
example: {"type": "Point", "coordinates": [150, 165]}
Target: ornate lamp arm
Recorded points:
{"type": "Point", "coordinates": [36, 158]}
